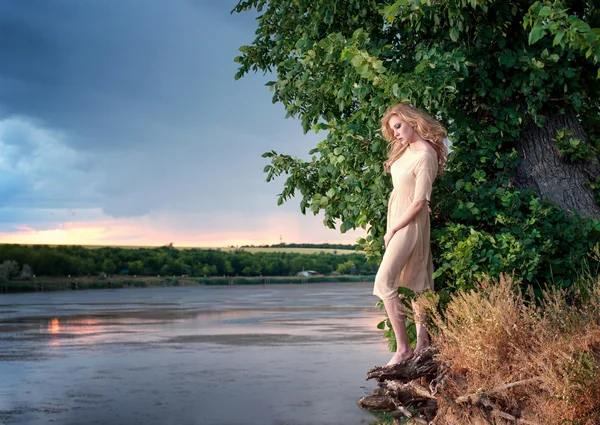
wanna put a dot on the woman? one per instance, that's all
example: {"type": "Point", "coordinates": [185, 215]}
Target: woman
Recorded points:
{"type": "Point", "coordinates": [416, 155]}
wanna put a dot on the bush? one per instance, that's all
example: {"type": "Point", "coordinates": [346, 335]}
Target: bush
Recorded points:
{"type": "Point", "coordinates": [496, 334]}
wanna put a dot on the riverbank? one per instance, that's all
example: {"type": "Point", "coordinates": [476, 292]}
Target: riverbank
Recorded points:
{"type": "Point", "coordinates": [42, 284]}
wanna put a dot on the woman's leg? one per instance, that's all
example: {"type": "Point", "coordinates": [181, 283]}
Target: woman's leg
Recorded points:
{"type": "Point", "coordinates": [386, 287]}
{"type": "Point", "coordinates": [422, 335]}
{"type": "Point", "coordinates": [395, 313]}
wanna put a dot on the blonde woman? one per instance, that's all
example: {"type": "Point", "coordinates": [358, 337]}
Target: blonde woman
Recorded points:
{"type": "Point", "coordinates": [416, 155]}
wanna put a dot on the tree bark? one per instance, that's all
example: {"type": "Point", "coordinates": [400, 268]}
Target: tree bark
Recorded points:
{"type": "Point", "coordinates": [420, 365]}
{"type": "Point", "coordinates": [550, 176]}
{"type": "Point", "coordinates": [402, 390]}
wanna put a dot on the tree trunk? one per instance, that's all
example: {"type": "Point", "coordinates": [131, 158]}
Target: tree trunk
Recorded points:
{"type": "Point", "coordinates": [552, 178]}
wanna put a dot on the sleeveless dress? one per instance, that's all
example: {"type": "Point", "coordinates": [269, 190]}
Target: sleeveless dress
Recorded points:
{"type": "Point", "coordinates": [407, 260]}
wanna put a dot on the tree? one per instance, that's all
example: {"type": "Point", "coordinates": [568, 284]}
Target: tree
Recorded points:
{"type": "Point", "coordinates": [9, 269]}
{"type": "Point", "coordinates": [135, 267]}
{"type": "Point", "coordinates": [109, 266]}
{"type": "Point", "coordinates": [208, 270]}
{"type": "Point", "coordinates": [26, 272]}
{"type": "Point", "coordinates": [227, 268]}
{"type": "Point", "coordinates": [346, 268]}
{"type": "Point", "coordinates": [514, 82]}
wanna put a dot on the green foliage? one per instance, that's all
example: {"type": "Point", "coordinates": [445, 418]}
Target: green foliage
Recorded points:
{"type": "Point", "coordinates": [307, 245]}
{"type": "Point", "coordinates": [569, 31]}
{"type": "Point", "coordinates": [346, 268]}
{"type": "Point", "coordinates": [571, 148]}
{"type": "Point", "coordinates": [9, 269]}
{"type": "Point", "coordinates": [79, 261]}
{"type": "Point", "coordinates": [595, 185]}
{"type": "Point", "coordinates": [485, 68]}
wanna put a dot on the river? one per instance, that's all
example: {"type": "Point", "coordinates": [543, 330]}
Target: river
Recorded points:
{"type": "Point", "coordinates": [226, 355]}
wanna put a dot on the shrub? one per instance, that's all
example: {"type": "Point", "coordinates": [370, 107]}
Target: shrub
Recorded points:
{"type": "Point", "coordinates": [496, 334]}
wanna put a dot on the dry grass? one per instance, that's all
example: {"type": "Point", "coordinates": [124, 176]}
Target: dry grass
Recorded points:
{"type": "Point", "coordinates": [496, 335]}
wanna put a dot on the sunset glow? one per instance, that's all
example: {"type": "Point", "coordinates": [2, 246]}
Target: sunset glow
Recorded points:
{"type": "Point", "coordinates": [149, 232]}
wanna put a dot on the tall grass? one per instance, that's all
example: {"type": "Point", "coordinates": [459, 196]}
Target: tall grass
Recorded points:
{"type": "Point", "coordinates": [497, 334]}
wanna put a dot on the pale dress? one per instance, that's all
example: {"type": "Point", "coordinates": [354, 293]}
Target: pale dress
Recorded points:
{"type": "Point", "coordinates": [407, 259]}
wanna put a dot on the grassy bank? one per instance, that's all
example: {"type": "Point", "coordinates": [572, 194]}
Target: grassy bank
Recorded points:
{"type": "Point", "coordinates": [40, 284]}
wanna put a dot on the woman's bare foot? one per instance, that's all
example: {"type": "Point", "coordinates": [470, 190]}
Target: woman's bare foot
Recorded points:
{"type": "Point", "coordinates": [400, 357]}
{"type": "Point", "coordinates": [421, 345]}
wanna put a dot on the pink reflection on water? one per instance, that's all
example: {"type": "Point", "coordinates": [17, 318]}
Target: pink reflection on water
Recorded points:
{"type": "Point", "coordinates": [54, 329]}
{"type": "Point", "coordinates": [76, 326]}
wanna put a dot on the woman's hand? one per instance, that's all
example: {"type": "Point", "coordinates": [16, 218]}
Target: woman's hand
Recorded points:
{"type": "Point", "coordinates": [387, 238]}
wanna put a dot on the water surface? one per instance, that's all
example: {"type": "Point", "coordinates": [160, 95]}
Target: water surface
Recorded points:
{"type": "Point", "coordinates": [233, 355]}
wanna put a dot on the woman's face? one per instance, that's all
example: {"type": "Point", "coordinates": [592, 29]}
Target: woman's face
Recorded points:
{"type": "Point", "coordinates": [401, 129]}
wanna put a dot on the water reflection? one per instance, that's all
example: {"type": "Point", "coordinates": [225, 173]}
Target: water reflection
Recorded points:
{"type": "Point", "coordinates": [54, 329]}
{"type": "Point", "coordinates": [61, 328]}
{"type": "Point", "coordinates": [54, 326]}
{"type": "Point", "coordinates": [127, 357]}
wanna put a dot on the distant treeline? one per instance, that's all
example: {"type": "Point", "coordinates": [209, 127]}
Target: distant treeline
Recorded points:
{"type": "Point", "coordinates": [305, 245]}
{"type": "Point", "coordinates": [43, 260]}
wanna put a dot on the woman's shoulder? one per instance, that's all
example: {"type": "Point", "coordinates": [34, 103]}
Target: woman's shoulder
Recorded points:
{"type": "Point", "coordinates": [423, 147]}
{"type": "Point", "coordinates": [427, 155]}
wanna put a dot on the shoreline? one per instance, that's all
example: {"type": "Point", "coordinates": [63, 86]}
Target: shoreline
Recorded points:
{"type": "Point", "coordinates": [51, 284]}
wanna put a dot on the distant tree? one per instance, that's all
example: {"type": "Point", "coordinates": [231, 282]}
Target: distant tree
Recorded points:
{"type": "Point", "coordinates": [346, 268]}
{"type": "Point", "coordinates": [109, 266]}
{"type": "Point", "coordinates": [9, 270]}
{"type": "Point", "coordinates": [227, 268]}
{"type": "Point", "coordinates": [135, 267]}
{"type": "Point", "coordinates": [26, 272]}
{"type": "Point", "coordinates": [74, 261]}
{"type": "Point", "coordinates": [209, 270]}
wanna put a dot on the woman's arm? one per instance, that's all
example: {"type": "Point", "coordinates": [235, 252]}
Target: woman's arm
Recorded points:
{"type": "Point", "coordinates": [408, 215]}
{"type": "Point", "coordinates": [425, 173]}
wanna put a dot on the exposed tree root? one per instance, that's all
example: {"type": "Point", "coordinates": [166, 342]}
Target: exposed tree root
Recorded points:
{"type": "Point", "coordinates": [410, 390]}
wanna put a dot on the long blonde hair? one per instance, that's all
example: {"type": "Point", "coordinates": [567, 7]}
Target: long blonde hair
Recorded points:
{"type": "Point", "coordinates": [427, 127]}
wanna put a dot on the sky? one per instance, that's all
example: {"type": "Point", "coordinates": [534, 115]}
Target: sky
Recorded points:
{"type": "Point", "coordinates": [121, 124]}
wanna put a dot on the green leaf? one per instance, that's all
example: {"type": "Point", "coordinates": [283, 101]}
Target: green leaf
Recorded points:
{"type": "Point", "coordinates": [545, 11]}
{"type": "Point", "coordinates": [536, 34]}
{"type": "Point", "coordinates": [558, 38]}
{"type": "Point", "coordinates": [453, 34]}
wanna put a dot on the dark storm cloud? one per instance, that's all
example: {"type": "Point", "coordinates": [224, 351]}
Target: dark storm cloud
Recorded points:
{"type": "Point", "coordinates": [111, 70]}
{"type": "Point", "coordinates": [142, 94]}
